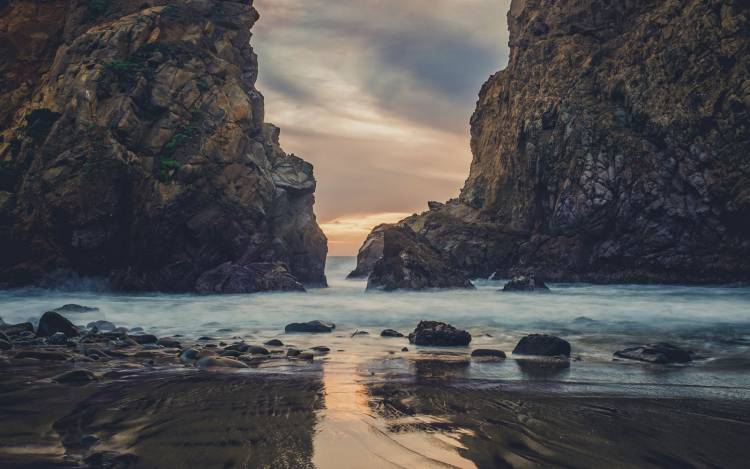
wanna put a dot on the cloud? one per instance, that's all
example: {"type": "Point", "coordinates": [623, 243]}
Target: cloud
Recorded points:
{"type": "Point", "coordinates": [377, 94]}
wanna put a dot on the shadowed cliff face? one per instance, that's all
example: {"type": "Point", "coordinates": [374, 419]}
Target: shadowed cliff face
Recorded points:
{"type": "Point", "coordinates": [134, 147]}
{"type": "Point", "coordinates": [614, 147]}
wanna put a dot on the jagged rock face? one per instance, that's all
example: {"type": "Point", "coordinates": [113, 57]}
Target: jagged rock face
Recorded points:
{"type": "Point", "coordinates": [370, 252]}
{"type": "Point", "coordinates": [613, 147]}
{"type": "Point", "coordinates": [134, 147]}
{"type": "Point", "coordinates": [409, 262]}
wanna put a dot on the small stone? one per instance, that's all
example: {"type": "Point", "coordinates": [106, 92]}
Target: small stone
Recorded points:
{"type": "Point", "coordinates": [292, 352]}
{"type": "Point", "coordinates": [144, 338]}
{"type": "Point", "coordinates": [274, 343]}
{"type": "Point", "coordinates": [168, 342]}
{"type": "Point", "coordinates": [391, 333]}
{"type": "Point", "coordinates": [405, 349]}
{"type": "Point", "coordinates": [230, 353]}
{"type": "Point", "coordinates": [359, 333]}
{"type": "Point", "coordinates": [480, 352]}
{"type": "Point", "coordinates": [104, 326]}
{"type": "Point", "coordinates": [321, 349]}
{"type": "Point", "coordinates": [306, 356]}
{"type": "Point", "coordinates": [75, 376]}
{"type": "Point", "coordinates": [256, 350]}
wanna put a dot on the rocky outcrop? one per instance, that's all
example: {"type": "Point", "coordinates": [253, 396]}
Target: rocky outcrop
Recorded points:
{"type": "Point", "coordinates": [661, 353]}
{"type": "Point", "coordinates": [409, 262]}
{"type": "Point", "coordinates": [542, 345]}
{"type": "Point", "coordinates": [370, 252]}
{"type": "Point", "coordinates": [133, 147]}
{"type": "Point", "coordinates": [612, 148]}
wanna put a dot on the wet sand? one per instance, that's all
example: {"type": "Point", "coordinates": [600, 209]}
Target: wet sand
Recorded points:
{"type": "Point", "coordinates": [349, 409]}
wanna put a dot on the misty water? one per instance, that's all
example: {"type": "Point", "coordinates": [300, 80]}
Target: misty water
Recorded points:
{"type": "Point", "coordinates": [596, 319]}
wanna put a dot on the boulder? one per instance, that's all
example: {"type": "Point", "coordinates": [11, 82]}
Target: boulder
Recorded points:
{"type": "Point", "coordinates": [52, 322]}
{"type": "Point", "coordinates": [492, 353]}
{"type": "Point", "coordinates": [256, 350]}
{"type": "Point", "coordinates": [542, 345]}
{"type": "Point", "coordinates": [321, 349]}
{"type": "Point", "coordinates": [390, 333]}
{"type": "Point", "coordinates": [434, 333]}
{"type": "Point", "coordinates": [525, 283]}
{"type": "Point", "coordinates": [248, 278]}
{"type": "Point", "coordinates": [660, 353]}
{"type": "Point", "coordinates": [409, 262]}
{"type": "Point", "coordinates": [310, 327]}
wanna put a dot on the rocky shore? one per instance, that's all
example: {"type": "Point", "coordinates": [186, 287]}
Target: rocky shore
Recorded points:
{"type": "Point", "coordinates": [134, 150]}
{"type": "Point", "coordinates": [609, 150]}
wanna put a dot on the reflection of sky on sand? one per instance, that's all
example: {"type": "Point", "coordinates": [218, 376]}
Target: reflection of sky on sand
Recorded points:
{"type": "Point", "coordinates": [350, 434]}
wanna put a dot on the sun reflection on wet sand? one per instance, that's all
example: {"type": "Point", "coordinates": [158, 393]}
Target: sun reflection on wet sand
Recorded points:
{"type": "Point", "coordinates": [349, 434]}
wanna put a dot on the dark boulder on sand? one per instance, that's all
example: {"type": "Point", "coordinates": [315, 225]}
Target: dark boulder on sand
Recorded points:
{"type": "Point", "coordinates": [409, 262]}
{"type": "Point", "coordinates": [52, 322]}
{"type": "Point", "coordinates": [440, 334]}
{"type": "Point", "coordinates": [310, 327]}
{"type": "Point", "coordinates": [542, 345]}
{"type": "Point", "coordinates": [525, 283]}
{"type": "Point", "coordinates": [661, 353]}
{"type": "Point", "coordinates": [491, 353]}
{"type": "Point", "coordinates": [391, 333]}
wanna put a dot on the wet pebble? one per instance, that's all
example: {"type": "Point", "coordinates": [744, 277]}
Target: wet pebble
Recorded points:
{"type": "Point", "coordinates": [75, 376]}
{"type": "Point", "coordinates": [274, 343]}
{"type": "Point", "coordinates": [490, 353]}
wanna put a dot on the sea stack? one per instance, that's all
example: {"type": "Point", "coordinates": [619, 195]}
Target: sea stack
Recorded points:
{"type": "Point", "coordinates": [134, 148]}
{"type": "Point", "coordinates": [612, 148]}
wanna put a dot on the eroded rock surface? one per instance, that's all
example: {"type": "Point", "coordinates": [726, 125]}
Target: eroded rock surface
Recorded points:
{"type": "Point", "coordinates": [409, 262]}
{"type": "Point", "coordinates": [133, 147]}
{"type": "Point", "coordinates": [614, 147]}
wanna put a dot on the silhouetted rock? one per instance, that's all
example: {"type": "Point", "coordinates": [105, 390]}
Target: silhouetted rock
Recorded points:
{"type": "Point", "coordinates": [219, 362]}
{"type": "Point", "coordinates": [370, 252]}
{"type": "Point", "coordinates": [437, 333]}
{"type": "Point", "coordinates": [274, 343]}
{"type": "Point", "coordinates": [543, 345]}
{"type": "Point", "coordinates": [250, 278]}
{"type": "Point", "coordinates": [391, 333]}
{"type": "Point", "coordinates": [525, 283]}
{"type": "Point", "coordinates": [661, 353]}
{"type": "Point", "coordinates": [481, 352]}
{"type": "Point", "coordinates": [52, 322]}
{"type": "Point", "coordinates": [410, 263]}
{"type": "Point", "coordinates": [311, 327]}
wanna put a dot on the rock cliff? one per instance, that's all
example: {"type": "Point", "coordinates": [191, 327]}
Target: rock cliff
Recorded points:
{"type": "Point", "coordinates": [133, 147]}
{"type": "Point", "coordinates": [615, 147]}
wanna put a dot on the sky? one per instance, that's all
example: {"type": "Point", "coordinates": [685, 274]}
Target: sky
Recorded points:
{"type": "Point", "coordinates": [377, 94]}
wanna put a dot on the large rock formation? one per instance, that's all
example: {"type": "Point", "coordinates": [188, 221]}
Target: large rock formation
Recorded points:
{"type": "Point", "coordinates": [614, 147]}
{"type": "Point", "coordinates": [133, 146]}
